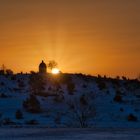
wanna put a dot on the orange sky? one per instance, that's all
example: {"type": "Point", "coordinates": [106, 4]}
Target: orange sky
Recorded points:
{"type": "Point", "coordinates": [87, 36]}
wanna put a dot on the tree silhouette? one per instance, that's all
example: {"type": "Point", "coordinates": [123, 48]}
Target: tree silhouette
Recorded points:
{"type": "Point", "coordinates": [81, 111]}
{"type": "Point", "coordinates": [32, 104]}
{"type": "Point", "coordinates": [9, 71]}
{"type": "Point", "coordinates": [52, 64]}
{"type": "Point", "coordinates": [3, 67]}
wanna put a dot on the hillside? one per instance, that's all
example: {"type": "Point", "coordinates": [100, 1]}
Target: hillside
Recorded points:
{"type": "Point", "coordinates": [69, 100]}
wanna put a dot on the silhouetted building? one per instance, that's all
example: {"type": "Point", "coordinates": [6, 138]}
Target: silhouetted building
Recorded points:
{"type": "Point", "coordinates": [42, 68]}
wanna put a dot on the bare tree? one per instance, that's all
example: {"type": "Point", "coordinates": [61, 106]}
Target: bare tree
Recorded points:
{"type": "Point", "coordinates": [4, 70]}
{"type": "Point", "coordinates": [3, 67]}
{"type": "Point", "coordinates": [81, 110]}
{"type": "Point", "coordinates": [52, 64]}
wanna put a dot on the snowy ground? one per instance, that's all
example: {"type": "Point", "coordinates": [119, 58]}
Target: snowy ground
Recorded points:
{"type": "Point", "coordinates": [68, 134]}
{"type": "Point", "coordinates": [99, 102]}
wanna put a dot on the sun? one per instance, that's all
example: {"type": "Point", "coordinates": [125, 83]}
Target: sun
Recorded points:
{"type": "Point", "coordinates": [55, 71]}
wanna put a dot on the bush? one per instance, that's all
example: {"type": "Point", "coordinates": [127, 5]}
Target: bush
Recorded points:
{"type": "Point", "coordinates": [71, 88]}
{"type": "Point", "coordinates": [21, 84]}
{"type": "Point", "coordinates": [118, 92]}
{"type": "Point", "coordinates": [2, 84]}
{"type": "Point", "coordinates": [32, 104]}
{"type": "Point", "coordinates": [121, 109]}
{"type": "Point", "coordinates": [57, 118]}
{"type": "Point", "coordinates": [32, 122]}
{"type": "Point", "coordinates": [7, 121]}
{"type": "Point", "coordinates": [131, 117]}
{"type": "Point", "coordinates": [124, 78]}
{"type": "Point", "coordinates": [9, 72]}
{"type": "Point", "coordinates": [118, 98]}
{"type": "Point", "coordinates": [83, 100]}
{"type": "Point", "coordinates": [101, 84]}
{"type": "Point", "coordinates": [19, 114]}
{"type": "Point", "coordinates": [59, 98]}
{"type": "Point", "coordinates": [13, 78]}
{"type": "Point", "coordinates": [2, 95]}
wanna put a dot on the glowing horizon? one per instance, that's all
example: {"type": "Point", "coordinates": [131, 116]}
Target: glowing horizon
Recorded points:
{"type": "Point", "coordinates": [86, 36]}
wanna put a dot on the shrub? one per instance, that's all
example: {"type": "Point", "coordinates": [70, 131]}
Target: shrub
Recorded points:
{"type": "Point", "coordinates": [19, 114]}
{"type": "Point", "coordinates": [101, 83]}
{"type": "Point", "coordinates": [32, 105]}
{"type": "Point", "coordinates": [118, 98]}
{"type": "Point", "coordinates": [118, 92]}
{"type": "Point", "coordinates": [121, 109]}
{"type": "Point", "coordinates": [9, 72]}
{"type": "Point", "coordinates": [21, 84]}
{"type": "Point", "coordinates": [2, 95]}
{"type": "Point", "coordinates": [99, 76]}
{"type": "Point", "coordinates": [71, 88]}
{"type": "Point", "coordinates": [7, 121]}
{"type": "Point", "coordinates": [59, 98]}
{"type": "Point", "coordinates": [2, 84]}
{"type": "Point", "coordinates": [32, 122]}
{"type": "Point", "coordinates": [13, 78]}
{"type": "Point", "coordinates": [124, 78]}
{"type": "Point", "coordinates": [83, 100]}
{"type": "Point", "coordinates": [131, 117]}
{"type": "Point", "coordinates": [57, 118]}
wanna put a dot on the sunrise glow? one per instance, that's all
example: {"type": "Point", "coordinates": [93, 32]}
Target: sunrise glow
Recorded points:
{"type": "Point", "coordinates": [83, 36]}
{"type": "Point", "coordinates": [55, 71]}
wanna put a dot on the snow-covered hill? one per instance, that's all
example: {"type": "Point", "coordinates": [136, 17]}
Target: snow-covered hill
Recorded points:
{"type": "Point", "coordinates": [69, 100]}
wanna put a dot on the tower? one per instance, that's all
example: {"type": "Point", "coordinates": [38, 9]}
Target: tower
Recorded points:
{"type": "Point", "coordinates": [42, 68]}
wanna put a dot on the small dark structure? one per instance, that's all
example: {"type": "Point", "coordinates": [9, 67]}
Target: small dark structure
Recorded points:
{"type": "Point", "coordinates": [42, 68]}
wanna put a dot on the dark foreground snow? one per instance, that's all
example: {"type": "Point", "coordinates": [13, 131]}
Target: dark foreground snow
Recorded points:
{"type": "Point", "coordinates": [68, 134]}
